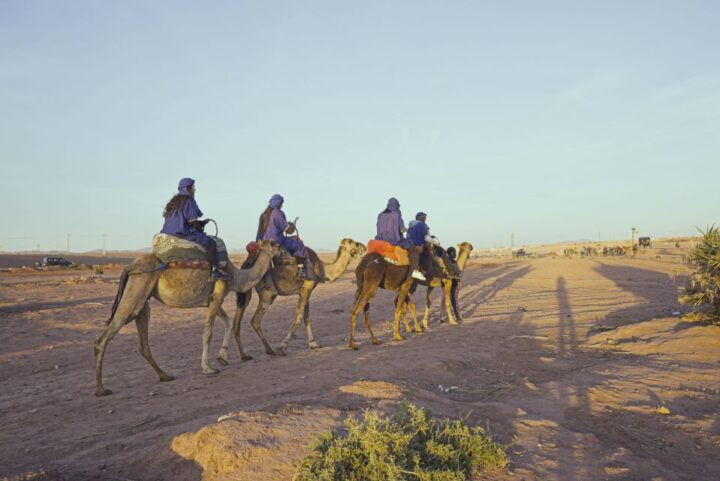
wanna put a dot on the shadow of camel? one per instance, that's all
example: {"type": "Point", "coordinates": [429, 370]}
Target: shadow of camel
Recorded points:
{"type": "Point", "coordinates": [658, 290]}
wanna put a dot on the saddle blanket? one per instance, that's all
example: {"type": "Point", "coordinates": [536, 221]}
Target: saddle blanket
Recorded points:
{"type": "Point", "coordinates": [189, 264]}
{"type": "Point", "coordinates": [393, 254]}
{"type": "Point", "coordinates": [169, 248]}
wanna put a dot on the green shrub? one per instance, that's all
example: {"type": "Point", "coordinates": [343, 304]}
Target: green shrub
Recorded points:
{"type": "Point", "coordinates": [98, 269]}
{"type": "Point", "coordinates": [703, 290]}
{"type": "Point", "coordinates": [409, 445]}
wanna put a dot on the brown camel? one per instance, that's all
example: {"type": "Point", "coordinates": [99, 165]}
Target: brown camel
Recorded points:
{"type": "Point", "coordinates": [375, 272]}
{"type": "Point", "coordinates": [176, 287]}
{"type": "Point", "coordinates": [449, 285]}
{"type": "Point", "coordinates": [283, 280]}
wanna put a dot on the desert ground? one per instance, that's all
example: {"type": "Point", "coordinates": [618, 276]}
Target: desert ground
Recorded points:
{"type": "Point", "coordinates": [584, 368]}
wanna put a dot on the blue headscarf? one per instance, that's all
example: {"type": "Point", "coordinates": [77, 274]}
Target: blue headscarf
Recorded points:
{"type": "Point", "coordinates": [419, 215]}
{"type": "Point", "coordinates": [276, 201]}
{"type": "Point", "coordinates": [393, 205]}
{"type": "Point", "coordinates": [184, 185]}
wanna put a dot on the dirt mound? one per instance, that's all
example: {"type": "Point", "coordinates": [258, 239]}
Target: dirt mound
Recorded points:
{"type": "Point", "coordinates": [255, 445]}
{"type": "Point", "coordinates": [374, 390]}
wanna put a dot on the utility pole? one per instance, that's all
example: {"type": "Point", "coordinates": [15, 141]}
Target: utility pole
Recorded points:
{"type": "Point", "coordinates": [103, 250]}
{"type": "Point", "coordinates": [68, 243]}
{"type": "Point", "coordinates": [634, 231]}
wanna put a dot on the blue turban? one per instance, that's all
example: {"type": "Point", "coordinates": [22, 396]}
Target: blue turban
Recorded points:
{"type": "Point", "coordinates": [419, 214]}
{"type": "Point", "coordinates": [393, 205]}
{"type": "Point", "coordinates": [276, 201]}
{"type": "Point", "coordinates": [184, 185]}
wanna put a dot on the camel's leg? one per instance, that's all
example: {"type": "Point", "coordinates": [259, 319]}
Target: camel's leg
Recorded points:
{"type": "Point", "coordinates": [218, 296]}
{"type": "Point", "coordinates": [237, 322]}
{"type": "Point", "coordinates": [447, 285]}
{"type": "Point", "coordinates": [300, 310]}
{"type": "Point", "coordinates": [368, 324]}
{"type": "Point", "coordinates": [133, 299]}
{"type": "Point", "coordinates": [399, 306]}
{"type": "Point", "coordinates": [428, 305]}
{"type": "Point", "coordinates": [362, 301]}
{"type": "Point", "coordinates": [413, 312]}
{"type": "Point", "coordinates": [222, 356]}
{"type": "Point", "coordinates": [141, 322]}
{"type": "Point", "coordinates": [267, 297]}
{"type": "Point", "coordinates": [312, 343]}
{"type": "Point", "coordinates": [404, 313]}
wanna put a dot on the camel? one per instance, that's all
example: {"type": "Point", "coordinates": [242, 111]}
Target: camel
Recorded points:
{"type": "Point", "coordinates": [282, 280]}
{"type": "Point", "coordinates": [375, 272]}
{"type": "Point", "coordinates": [449, 285]}
{"type": "Point", "coordinates": [175, 287]}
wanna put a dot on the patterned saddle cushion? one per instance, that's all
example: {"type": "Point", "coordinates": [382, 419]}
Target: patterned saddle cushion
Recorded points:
{"type": "Point", "coordinates": [169, 248]}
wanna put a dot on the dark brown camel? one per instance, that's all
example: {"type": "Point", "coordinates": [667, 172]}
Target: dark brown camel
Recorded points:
{"type": "Point", "coordinates": [375, 272]}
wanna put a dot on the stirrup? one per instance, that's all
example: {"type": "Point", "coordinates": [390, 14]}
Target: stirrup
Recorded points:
{"type": "Point", "coordinates": [416, 274]}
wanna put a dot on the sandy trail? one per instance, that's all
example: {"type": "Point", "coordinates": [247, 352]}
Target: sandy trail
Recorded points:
{"type": "Point", "coordinates": [570, 402]}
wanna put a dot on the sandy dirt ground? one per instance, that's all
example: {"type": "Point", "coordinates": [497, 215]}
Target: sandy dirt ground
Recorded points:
{"type": "Point", "coordinates": [583, 368]}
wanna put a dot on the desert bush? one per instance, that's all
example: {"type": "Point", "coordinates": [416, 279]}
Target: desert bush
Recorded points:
{"type": "Point", "coordinates": [703, 291]}
{"type": "Point", "coordinates": [409, 445]}
{"type": "Point", "coordinates": [97, 269]}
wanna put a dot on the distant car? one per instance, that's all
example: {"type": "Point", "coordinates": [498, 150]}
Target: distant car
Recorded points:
{"type": "Point", "coordinates": [55, 261]}
{"type": "Point", "coordinates": [645, 242]}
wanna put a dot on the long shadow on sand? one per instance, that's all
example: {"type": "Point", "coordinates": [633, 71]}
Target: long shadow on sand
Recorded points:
{"type": "Point", "coordinates": [658, 290]}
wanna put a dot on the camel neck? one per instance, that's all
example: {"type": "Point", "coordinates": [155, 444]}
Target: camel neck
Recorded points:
{"type": "Point", "coordinates": [245, 279]}
{"type": "Point", "coordinates": [462, 259]}
{"type": "Point", "coordinates": [336, 268]}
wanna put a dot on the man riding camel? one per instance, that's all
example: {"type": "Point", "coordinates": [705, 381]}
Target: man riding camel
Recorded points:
{"type": "Point", "coordinates": [182, 219]}
{"type": "Point", "coordinates": [390, 228]}
{"type": "Point", "coordinates": [274, 226]}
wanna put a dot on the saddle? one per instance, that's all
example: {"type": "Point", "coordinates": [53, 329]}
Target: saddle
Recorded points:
{"type": "Point", "coordinates": [178, 252]}
{"type": "Point", "coordinates": [285, 268]}
{"type": "Point", "coordinates": [395, 255]}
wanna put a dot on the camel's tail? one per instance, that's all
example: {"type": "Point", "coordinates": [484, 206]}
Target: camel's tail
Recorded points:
{"type": "Point", "coordinates": [121, 288]}
{"type": "Point", "coordinates": [454, 288]}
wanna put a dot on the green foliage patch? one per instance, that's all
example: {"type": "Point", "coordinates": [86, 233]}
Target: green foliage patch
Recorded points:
{"type": "Point", "coordinates": [704, 288]}
{"type": "Point", "coordinates": [409, 445]}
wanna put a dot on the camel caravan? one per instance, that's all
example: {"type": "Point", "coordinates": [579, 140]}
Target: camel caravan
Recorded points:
{"type": "Point", "coordinates": [189, 268]}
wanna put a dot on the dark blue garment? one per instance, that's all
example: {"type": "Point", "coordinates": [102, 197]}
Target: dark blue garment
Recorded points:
{"type": "Point", "coordinates": [390, 224]}
{"type": "Point", "coordinates": [276, 231]}
{"type": "Point", "coordinates": [417, 232]}
{"type": "Point", "coordinates": [176, 223]}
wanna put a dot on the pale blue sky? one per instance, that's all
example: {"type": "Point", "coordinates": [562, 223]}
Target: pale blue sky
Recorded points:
{"type": "Point", "coordinates": [555, 120]}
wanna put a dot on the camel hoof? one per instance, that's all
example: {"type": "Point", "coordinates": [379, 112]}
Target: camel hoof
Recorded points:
{"type": "Point", "coordinates": [398, 338]}
{"type": "Point", "coordinates": [270, 352]}
{"type": "Point", "coordinates": [167, 378]}
{"type": "Point", "coordinates": [222, 361]}
{"type": "Point", "coordinates": [353, 346]}
{"type": "Point", "coordinates": [419, 331]}
{"type": "Point", "coordinates": [210, 371]}
{"type": "Point", "coordinates": [246, 357]}
{"type": "Point", "coordinates": [103, 392]}
{"type": "Point", "coordinates": [314, 345]}
{"type": "Point", "coordinates": [376, 342]}
{"type": "Point", "coordinates": [281, 351]}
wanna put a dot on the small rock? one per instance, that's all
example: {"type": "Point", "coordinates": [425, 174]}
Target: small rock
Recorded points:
{"type": "Point", "coordinates": [676, 313]}
{"type": "Point", "coordinates": [56, 366]}
{"type": "Point", "coordinates": [520, 412]}
{"type": "Point", "coordinates": [151, 393]}
{"type": "Point", "coordinates": [110, 411]}
{"type": "Point", "coordinates": [662, 410]}
{"type": "Point", "coordinates": [33, 411]}
{"type": "Point", "coordinates": [531, 386]}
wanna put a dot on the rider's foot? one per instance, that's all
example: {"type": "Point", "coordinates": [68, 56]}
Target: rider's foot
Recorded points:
{"type": "Point", "coordinates": [416, 274]}
{"type": "Point", "coordinates": [218, 275]}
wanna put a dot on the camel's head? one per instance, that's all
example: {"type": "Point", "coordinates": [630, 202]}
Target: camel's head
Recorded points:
{"type": "Point", "coordinates": [465, 247]}
{"type": "Point", "coordinates": [356, 249]}
{"type": "Point", "coordinates": [270, 246]}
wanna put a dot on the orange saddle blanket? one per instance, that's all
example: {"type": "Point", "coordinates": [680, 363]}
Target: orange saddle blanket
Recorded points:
{"type": "Point", "coordinates": [393, 254]}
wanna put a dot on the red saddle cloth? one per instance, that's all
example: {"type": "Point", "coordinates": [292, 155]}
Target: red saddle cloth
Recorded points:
{"type": "Point", "coordinates": [395, 254]}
